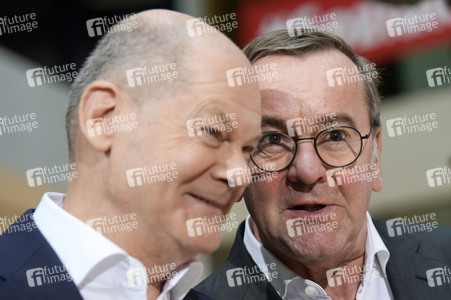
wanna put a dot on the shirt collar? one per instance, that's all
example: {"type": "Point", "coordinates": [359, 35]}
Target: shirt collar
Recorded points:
{"type": "Point", "coordinates": [87, 252]}
{"type": "Point", "coordinates": [374, 247]}
{"type": "Point", "coordinates": [83, 248]}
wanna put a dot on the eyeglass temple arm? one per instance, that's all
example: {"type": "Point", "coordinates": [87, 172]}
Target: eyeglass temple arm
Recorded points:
{"type": "Point", "coordinates": [366, 136]}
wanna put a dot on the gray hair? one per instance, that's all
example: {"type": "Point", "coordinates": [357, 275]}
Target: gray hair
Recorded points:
{"type": "Point", "coordinates": [280, 42]}
{"type": "Point", "coordinates": [150, 43]}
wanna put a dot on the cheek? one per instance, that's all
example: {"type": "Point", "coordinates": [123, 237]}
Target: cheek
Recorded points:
{"type": "Point", "coordinates": [357, 196]}
{"type": "Point", "coordinates": [264, 196]}
{"type": "Point", "coordinates": [193, 159]}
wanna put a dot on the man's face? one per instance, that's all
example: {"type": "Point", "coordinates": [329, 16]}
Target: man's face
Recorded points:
{"type": "Point", "coordinates": [200, 154]}
{"type": "Point", "coordinates": [301, 90]}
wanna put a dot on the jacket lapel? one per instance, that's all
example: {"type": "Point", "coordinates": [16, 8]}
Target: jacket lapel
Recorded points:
{"type": "Point", "coordinates": [228, 281]}
{"type": "Point", "coordinates": [240, 257]}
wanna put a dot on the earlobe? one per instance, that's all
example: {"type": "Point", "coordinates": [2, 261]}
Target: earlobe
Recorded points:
{"type": "Point", "coordinates": [99, 100]}
{"type": "Point", "coordinates": [377, 181]}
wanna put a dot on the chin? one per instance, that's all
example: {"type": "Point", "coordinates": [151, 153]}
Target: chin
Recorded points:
{"type": "Point", "coordinates": [207, 244]}
{"type": "Point", "coordinates": [314, 246]}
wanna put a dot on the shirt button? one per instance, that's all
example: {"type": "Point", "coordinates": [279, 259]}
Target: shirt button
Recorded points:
{"type": "Point", "coordinates": [309, 290]}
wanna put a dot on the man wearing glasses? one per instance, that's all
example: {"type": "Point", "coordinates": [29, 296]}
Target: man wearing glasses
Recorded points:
{"type": "Point", "coordinates": [309, 235]}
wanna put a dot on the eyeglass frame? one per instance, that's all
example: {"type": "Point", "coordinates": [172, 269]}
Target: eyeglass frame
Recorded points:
{"type": "Point", "coordinates": [362, 137]}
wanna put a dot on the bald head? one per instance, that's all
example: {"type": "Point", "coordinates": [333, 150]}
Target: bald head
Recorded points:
{"type": "Point", "coordinates": [162, 148]}
{"type": "Point", "coordinates": [158, 41]}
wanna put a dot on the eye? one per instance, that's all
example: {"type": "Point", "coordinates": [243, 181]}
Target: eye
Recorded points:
{"type": "Point", "coordinates": [274, 142]}
{"type": "Point", "coordinates": [336, 138]}
{"type": "Point", "coordinates": [213, 132]}
{"type": "Point", "coordinates": [273, 138]}
{"type": "Point", "coordinates": [212, 137]}
{"type": "Point", "coordinates": [336, 135]}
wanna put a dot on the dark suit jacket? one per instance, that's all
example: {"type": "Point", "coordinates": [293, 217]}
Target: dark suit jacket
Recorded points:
{"type": "Point", "coordinates": [410, 256]}
{"type": "Point", "coordinates": [23, 250]}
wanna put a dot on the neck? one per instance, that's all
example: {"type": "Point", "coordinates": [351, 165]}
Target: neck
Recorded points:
{"type": "Point", "coordinates": [149, 248]}
{"type": "Point", "coordinates": [316, 270]}
{"type": "Point", "coordinates": [352, 257]}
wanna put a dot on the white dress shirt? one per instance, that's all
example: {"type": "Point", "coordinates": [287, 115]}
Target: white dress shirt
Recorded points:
{"type": "Point", "coordinates": [291, 286]}
{"type": "Point", "coordinates": [97, 266]}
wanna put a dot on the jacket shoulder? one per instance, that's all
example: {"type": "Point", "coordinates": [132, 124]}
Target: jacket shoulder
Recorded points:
{"type": "Point", "coordinates": [434, 240]}
{"type": "Point", "coordinates": [24, 256]}
{"type": "Point", "coordinates": [17, 243]}
{"type": "Point", "coordinates": [195, 295]}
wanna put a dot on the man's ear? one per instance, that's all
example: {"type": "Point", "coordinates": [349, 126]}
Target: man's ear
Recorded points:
{"type": "Point", "coordinates": [378, 182]}
{"type": "Point", "coordinates": [99, 100]}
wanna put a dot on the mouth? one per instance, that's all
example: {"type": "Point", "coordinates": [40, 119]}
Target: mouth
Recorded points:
{"type": "Point", "coordinates": [210, 202]}
{"type": "Point", "coordinates": [309, 207]}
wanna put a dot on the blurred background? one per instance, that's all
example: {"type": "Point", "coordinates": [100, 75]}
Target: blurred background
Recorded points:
{"type": "Point", "coordinates": [60, 37]}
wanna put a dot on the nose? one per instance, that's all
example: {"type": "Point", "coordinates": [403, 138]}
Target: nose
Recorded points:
{"type": "Point", "coordinates": [233, 169]}
{"type": "Point", "coordinates": [307, 167]}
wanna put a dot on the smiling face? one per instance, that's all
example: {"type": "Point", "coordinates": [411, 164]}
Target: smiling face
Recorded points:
{"type": "Point", "coordinates": [203, 131]}
{"type": "Point", "coordinates": [301, 90]}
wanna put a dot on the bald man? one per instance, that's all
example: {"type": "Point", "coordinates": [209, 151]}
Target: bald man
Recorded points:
{"type": "Point", "coordinates": [148, 128]}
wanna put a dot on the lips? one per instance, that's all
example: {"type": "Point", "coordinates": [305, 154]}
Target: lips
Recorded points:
{"type": "Point", "coordinates": [309, 207]}
{"type": "Point", "coordinates": [209, 201]}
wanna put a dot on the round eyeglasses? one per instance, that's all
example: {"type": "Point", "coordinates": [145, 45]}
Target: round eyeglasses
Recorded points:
{"type": "Point", "coordinates": [336, 147]}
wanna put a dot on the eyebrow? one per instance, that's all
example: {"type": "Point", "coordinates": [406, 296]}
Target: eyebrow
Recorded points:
{"type": "Point", "coordinates": [280, 124]}
{"type": "Point", "coordinates": [215, 112]}
{"type": "Point", "coordinates": [345, 119]}
{"type": "Point", "coordinates": [277, 123]}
